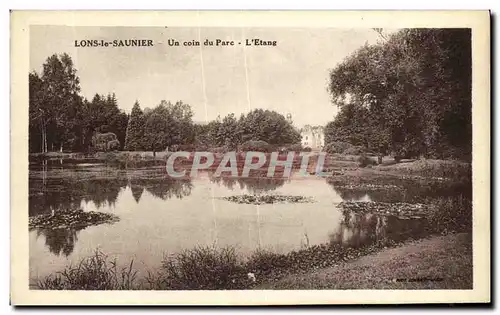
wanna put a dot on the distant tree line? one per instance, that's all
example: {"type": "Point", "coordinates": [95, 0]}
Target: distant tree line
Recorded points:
{"type": "Point", "coordinates": [170, 126]}
{"type": "Point", "coordinates": [60, 119]}
{"type": "Point", "coordinates": [409, 95]}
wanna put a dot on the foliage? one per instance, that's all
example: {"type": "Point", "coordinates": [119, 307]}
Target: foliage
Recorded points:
{"type": "Point", "coordinates": [74, 219]}
{"type": "Point", "coordinates": [296, 147]}
{"type": "Point", "coordinates": [267, 199]}
{"type": "Point", "coordinates": [96, 272]}
{"type": "Point", "coordinates": [409, 95]}
{"type": "Point", "coordinates": [255, 145]}
{"type": "Point", "coordinates": [364, 161]}
{"type": "Point", "coordinates": [268, 126]}
{"type": "Point", "coordinates": [202, 268]}
{"type": "Point", "coordinates": [59, 117]}
{"type": "Point", "coordinates": [258, 124]}
{"type": "Point", "coordinates": [167, 125]}
{"type": "Point", "coordinates": [113, 145]}
{"type": "Point", "coordinates": [54, 101]}
{"type": "Point", "coordinates": [452, 215]}
{"type": "Point", "coordinates": [337, 146]}
{"type": "Point", "coordinates": [105, 141]}
{"type": "Point", "coordinates": [135, 129]}
{"type": "Point", "coordinates": [354, 150]}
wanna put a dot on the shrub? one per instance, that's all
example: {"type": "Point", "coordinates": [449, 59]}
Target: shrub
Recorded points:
{"type": "Point", "coordinates": [221, 149]}
{"type": "Point", "coordinates": [452, 214]}
{"type": "Point", "coordinates": [187, 147]}
{"type": "Point", "coordinates": [337, 147]}
{"type": "Point", "coordinates": [364, 161]}
{"type": "Point", "coordinates": [202, 147]}
{"type": "Point", "coordinates": [113, 145]}
{"type": "Point", "coordinates": [307, 149]}
{"type": "Point", "coordinates": [264, 262]}
{"type": "Point", "coordinates": [297, 147]}
{"type": "Point", "coordinates": [255, 145]}
{"type": "Point", "coordinates": [202, 268]}
{"type": "Point", "coordinates": [96, 272]}
{"type": "Point", "coordinates": [354, 150]}
{"type": "Point", "coordinates": [100, 141]}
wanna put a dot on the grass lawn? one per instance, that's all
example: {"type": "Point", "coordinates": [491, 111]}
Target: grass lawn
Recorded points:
{"type": "Point", "coordinates": [448, 258]}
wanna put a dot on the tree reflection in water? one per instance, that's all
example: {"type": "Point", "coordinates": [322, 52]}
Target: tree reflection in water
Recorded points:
{"type": "Point", "coordinates": [360, 229]}
{"type": "Point", "coordinates": [50, 196]}
{"type": "Point", "coordinates": [257, 183]}
{"type": "Point", "coordinates": [59, 241]}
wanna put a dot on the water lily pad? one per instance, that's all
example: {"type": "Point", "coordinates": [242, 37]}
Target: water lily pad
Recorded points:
{"type": "Point", "coordinates": [402, 210]}
{"type": "Point", "coordinates": [267, 199]}
{"type": "Point", "coordinates": [73, 219]}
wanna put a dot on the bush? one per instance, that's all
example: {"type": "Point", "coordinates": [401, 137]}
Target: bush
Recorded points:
{"type": "Point", "coordinates": [364, 161]}
{"type": "Point", "coordinates": [100, 141]}
{"type": "Point", "coordinates": [187, 147]}
{"type": "Point", "coordinates": [297, 147]}
{"type": "Point", "coordinates": [337, 147]}
{"type": "Point", "coordinates": [264, 262]}
{"type": "Point", "coordinates": [255, 145]}
{"type": "Point", "coordinates": [113, 145]}
{"type": "Point", "coordinates": [202, 147]}
{"type": "Point", "coordinates": [202, 268]}
{"type": "Point", "coordinates": [221, 149]}
{"type": "Point", "coordinates": [307, 149]}
{"type": "Point", "coordinates": [96, 272]}
{"type": "Point", "coordinates": [452, 214]}
{"type": "Point", "coordinates": [354, 150]}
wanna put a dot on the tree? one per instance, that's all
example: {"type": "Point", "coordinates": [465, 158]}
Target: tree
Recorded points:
{"type": "Point", "coordinates": [54, 104]}
{"type": "Point", "coordinates": [38, 115]}
{"type": "Point", "coordinates": [268, 126]}
{"type": "Point", "coordinates": [156, 131]}
{"type": "Point", "coordinates": [228, 132]}
{"type": "Point", "coordinates": [415, 87]}
{"type": "Point", "coordinates": [135, 129]}
{"type": "Point", "coordinates": [168, 125]}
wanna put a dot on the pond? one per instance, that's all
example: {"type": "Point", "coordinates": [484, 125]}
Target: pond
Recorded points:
{"type": "Point", "coordinates": [159, 215]}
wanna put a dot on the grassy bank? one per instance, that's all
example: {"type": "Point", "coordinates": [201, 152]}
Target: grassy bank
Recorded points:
{"type": "Point", "coordinates": [440, 262]}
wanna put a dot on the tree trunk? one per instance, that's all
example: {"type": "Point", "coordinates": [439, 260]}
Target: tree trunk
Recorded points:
{"type": "Point", "coordinates": [44, 140]}
{"type": "Point", "coordinates": [380, 157]}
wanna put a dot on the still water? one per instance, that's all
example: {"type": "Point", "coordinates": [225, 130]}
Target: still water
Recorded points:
{"type": "Point", "coordinates": [160, 216]}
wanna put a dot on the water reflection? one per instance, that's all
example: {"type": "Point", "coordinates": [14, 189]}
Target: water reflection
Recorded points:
{"type": "Point", "coordinates": [59, 241]}
{"type": "Point", "coordinates": [61, 194]}
{"type": "Point", "coordinates": [54, 195]}
{"type": "Point", "coordinates": [159, 215]}
{"type": "Point", "coordinates": [360, 229]}
{"type": "Point", "coordinates": [397, 190]}
{"type": "Point", "coordinates": [254, 185]}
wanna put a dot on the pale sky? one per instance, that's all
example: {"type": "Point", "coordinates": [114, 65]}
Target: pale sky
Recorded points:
{"type": "Point", "coordinates": [289, 78]}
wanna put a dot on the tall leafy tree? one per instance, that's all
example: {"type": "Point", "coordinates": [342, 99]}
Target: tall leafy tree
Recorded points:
{"type": "Point", "coordinates": [415, 86]}
{"type": "Point", "coordinates": [135, 129]}
{"type": "Point", "coordinates": [168, 125]}
{"type": "Point", "coordinates": [55, 103]}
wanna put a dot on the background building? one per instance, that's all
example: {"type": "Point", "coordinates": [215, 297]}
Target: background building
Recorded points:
{"type": "Point", "coordinates": [313, 137]}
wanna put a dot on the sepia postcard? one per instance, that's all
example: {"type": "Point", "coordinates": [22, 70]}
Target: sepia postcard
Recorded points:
{"type": "Point", "coordinates": [250, 157]}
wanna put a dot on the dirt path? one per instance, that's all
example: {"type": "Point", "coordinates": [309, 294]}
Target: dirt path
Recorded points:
{"type": "Point", "coordinates": [441, 262]}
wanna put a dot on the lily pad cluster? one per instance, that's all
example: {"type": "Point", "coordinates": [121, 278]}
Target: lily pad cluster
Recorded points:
{"type": "Point", "coordinates": [73, 219]}
{"type": "Point", "coordinates": [267, 199]}
{"type": "Point", "coordinates": [369, 186]}
{"type": "Point", "coordinates": [393, 208]}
